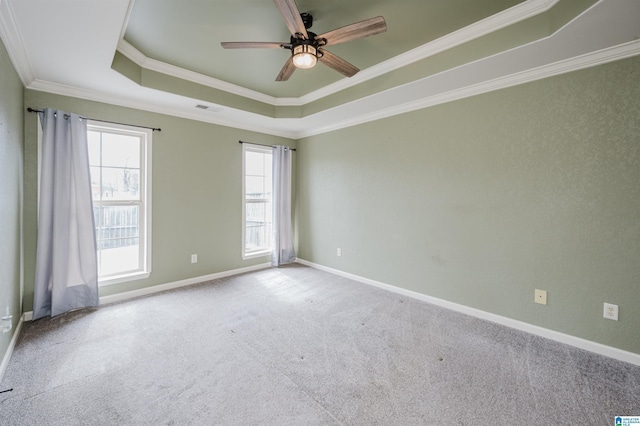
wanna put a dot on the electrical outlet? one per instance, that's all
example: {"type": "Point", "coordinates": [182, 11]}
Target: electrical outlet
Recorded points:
{"type": "Point", "coordinates": [194, 258]}
{"type": "Point", "coordinates": [611, 311]}
{"type": "Point", "coordinates": [339, 252]}
{"type": "Point", "coordinates": [540, 296]}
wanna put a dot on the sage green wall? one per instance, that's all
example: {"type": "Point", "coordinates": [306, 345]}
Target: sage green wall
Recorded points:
{"type": "Point", "coordinates": [11, 116]}
{"type": "Point", "coordinates": [482, 200]}
{"type": "Point", "coordinates": [196, 191]}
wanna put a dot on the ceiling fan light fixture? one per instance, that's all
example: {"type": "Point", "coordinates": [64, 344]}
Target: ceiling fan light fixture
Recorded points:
{"type": "Point", "coordinates": [305, 56]}
{"type": "Point", "coordinates": [307, 47]}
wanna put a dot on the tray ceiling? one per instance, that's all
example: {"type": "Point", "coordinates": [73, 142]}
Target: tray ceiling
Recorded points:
{"type": "Point", "coordinates": [165, 55]}
{"type": "Point", "coordinates": [187, 34]}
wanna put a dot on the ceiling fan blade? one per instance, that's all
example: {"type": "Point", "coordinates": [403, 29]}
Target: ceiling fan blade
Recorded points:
{"type": "Point", "coordinates": [253, 44]}
{"type": "Point", "coordinates": [337, 63]}
{"type": "Point", "coordinates": [287, 70]}
{"type": "Point", "coordinates": [291, 16]}
{"type": "Point", "coordinates": [356, 31]}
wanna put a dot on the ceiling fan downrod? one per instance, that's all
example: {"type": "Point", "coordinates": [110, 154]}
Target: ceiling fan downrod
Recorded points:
{"type": "Point", "coordinates": [307, 19]}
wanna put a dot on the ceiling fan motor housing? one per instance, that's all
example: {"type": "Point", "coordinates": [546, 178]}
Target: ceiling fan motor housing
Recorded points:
{"type": "Point", "coordinates": [311, 41]}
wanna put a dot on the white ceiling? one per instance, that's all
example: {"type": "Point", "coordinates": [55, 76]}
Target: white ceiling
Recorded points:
{"type": "Point", "coordinates": [67, 47]}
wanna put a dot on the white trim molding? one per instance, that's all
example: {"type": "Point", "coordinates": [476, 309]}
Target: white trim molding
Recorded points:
{"type": "Point", "coordinates": [192, 114]}
{"type": "Point", "coordinates": [483, 27]}
{"type": "Point", "coordinates": [471, 32]}
{"type": "Point", "coordinates": [577, 45]}
{"type": "Point", "coordinates": [177, 284]}
{"type": "Point", "coordinates": [120, 297]}
{"type": "Point", "coordinates": [150, 64]}
{"type": "Point", "coordinates": [599, 30]}
{"type": "Point", "coordinates": [10, 34]}
{"type": "Point", "coordinates": [598, 348]}
{"type": "Point", "coordinates": [368, 108]}
{"type": "Point", "coordinates": [12, 345]}
{"type": "Point", "coordinates": [587, 60]}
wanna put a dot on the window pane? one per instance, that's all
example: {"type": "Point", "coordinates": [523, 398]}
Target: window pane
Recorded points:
{"type": "Point", "coordinates": [258, 171]}
{"type": "Point", "coordinates": [254, 163]}
{"type": "Point", "coordinates": [120, 183]}
{"type": "Point", "coordinates": [258, 226]}
{"type": "Point", "coordinates": [94, 148]}
{"type": "Point", "coordinates": [118, 238]}
{"type": "Point", "coordinates": [255, 187]}
{"type": "Point", "coordinates": [256, 213]}
{"type": "Point", "coordinates": [120, 150]}
{"type": "Point", "coordinates": [95, 183]}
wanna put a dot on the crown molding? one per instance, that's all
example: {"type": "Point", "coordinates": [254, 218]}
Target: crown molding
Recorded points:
{"type": "Point", "coordinates": [600, 57]}
{"type": "Point", "coordinates": [242, 120]}
{"type": "Point", "coordinates": [150, 64]}
{"type": "Point", "coordinates": [522, 64]}
{"type": "Point", "coordinates": [478, 29]}
{"type": "Point", "coordinates": [277, 127]}
{"type": "Point", "coordinates": [500, 20]}
{"type": "Point", "coordinates": [12, 38]}
{"type": "Point", "coordinates": [125, 23]}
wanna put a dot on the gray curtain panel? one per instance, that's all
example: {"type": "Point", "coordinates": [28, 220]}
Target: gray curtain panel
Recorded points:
{"type": "Point", "coordinates": [283, 251]}
{"type": "Point", "coordinates": [66, 262]}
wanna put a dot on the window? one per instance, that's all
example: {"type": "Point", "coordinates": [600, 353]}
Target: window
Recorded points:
{"type": "Point", "coordinates": [120, 162]}
{"type": "Point", "coordinates": [256, 201]}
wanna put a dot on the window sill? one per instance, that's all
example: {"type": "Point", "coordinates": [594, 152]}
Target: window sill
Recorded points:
{"type": "Point", "coordinates": [123, 278]}
{"type": "Point", "coordinates": [256, 254]}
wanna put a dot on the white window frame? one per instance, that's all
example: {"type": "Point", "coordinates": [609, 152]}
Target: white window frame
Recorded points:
{"type": "Point", "coordinates": [144, 204]}
{"type": "Point", "coordinates": [246, 147]}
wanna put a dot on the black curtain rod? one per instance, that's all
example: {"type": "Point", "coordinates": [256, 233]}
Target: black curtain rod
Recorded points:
{"type": "Point", "coordinates": [105, 121]}
{"type": "Point", "coordinates": [261, 144]}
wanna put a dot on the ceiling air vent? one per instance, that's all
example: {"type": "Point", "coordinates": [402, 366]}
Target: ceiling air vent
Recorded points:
{"type": "Point", "coordinates": [205, 107]}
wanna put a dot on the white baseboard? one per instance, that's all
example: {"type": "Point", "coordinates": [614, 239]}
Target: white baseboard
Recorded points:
{"type": "Point", "coordinates": [598, 348]}
{"type": "Point", "coordinates": [177, 284]}
{"type": "Point", "coordinates": [577, 342]}
{"type": "Point", "coordinates": [119, 297]}
{"type": "Point", "coordinates": [12, 345]}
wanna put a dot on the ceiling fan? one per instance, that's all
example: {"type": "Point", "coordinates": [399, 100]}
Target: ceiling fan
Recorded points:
{"type": "Point", "coordinates": [306, 47]}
